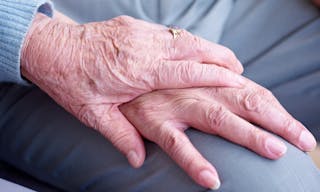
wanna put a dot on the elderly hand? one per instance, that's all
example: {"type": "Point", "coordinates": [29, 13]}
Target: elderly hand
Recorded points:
{"type": "Point", "coordinates": [164, 115]}
{"type": "Point", "coordinates": [91, 69]}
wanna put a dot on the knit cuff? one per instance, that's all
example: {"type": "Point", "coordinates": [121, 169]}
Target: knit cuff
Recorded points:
{"type": "Point", "coordinates": [16, 17]}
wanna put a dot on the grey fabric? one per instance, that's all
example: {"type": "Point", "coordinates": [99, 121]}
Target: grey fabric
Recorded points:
{"type": "Point", "coordinates": [203, 17]}
{"type": "Point", "coordinates": [39, 137]}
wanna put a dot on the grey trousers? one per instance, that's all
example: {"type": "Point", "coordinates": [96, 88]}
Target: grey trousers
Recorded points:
{"type": "Point", "coordinates": [278, 42]}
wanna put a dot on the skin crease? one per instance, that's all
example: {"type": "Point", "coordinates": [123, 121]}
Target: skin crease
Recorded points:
{"type": "Point", "coordinates": [84, 76]}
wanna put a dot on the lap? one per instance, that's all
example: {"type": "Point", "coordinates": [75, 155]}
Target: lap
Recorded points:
{"type": "Point", "coordinates": [39, 137]}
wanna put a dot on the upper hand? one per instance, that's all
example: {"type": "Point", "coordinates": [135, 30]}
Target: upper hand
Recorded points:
{"type": "Point", "coordinates": [163, 116]}
{"type": "Point", "coordinates": [91, 69]}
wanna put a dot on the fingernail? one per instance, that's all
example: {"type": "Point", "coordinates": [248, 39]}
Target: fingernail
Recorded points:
{"type": "Point", "coordinates": [276, 147]}
{"type": "Point", "coordinates": [209, 179]}
{"type": "Point", "coordinates": [307, 141]}
{"type": "Point", "coordinates": [133, 158]}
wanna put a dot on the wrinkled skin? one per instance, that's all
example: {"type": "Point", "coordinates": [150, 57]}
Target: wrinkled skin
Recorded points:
{"type": "Point", "coordinates": [91, 71]}
{"type": "Point", "coordinates": [164, 115]}
{"type": "Point", "coordinates": [93, 68]}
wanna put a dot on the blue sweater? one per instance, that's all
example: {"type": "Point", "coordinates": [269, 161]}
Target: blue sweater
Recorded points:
{"type": "Point", "coordinates": [15, 18]}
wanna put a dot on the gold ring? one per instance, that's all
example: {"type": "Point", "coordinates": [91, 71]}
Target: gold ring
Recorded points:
{"type": "Point", "coordinates": [175, 32]}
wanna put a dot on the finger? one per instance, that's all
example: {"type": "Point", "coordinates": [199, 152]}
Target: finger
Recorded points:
{"type": "Point", "coordinates": [119, 131]}
{"type": "Point", "coordinates": [183, 74]}
{"type": "Point", "coordinates": [187, 46]}
{"type": "Point", "coordinates": [215, 119]}
{"type": "Point", "coordinates": [174, 142]}
{"type": "Point", "coordinates": [258, 105]}
{"type": "Point", "coordinates": [262, 108]}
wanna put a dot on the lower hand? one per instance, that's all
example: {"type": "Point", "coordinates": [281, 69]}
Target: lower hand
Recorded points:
{"type": "Point", "coordinates": [164, 115]}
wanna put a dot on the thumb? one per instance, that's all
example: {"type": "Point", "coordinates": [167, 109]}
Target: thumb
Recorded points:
{"type": "Point", "coordinates": [121, 133]}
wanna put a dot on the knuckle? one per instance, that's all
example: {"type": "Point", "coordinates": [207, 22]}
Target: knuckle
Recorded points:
{"type": "Point", "coordinates": [197, 41]}
{"type": "Point", "coordinates": [255, 100]}
{"type": "Point", "coordinates": [289, 130]}
{"type": "Point", "coordinates": [186, 33]}
{"type": "Point", "coordinates": [173, 142]}
{"type": "Point", "coordinates": [124, 20]}
{"type": "Point", "coordinates": [265, 93]}
{"type": "Point", "coordinates": [190, 39]}
{"type": "Point", "coordinates": [216, 116]}
{"type": "Point", "coordinates": [252, 102]}
{"type": "Point", "coordinates": [185, 72]}
{"type": "Point", "coordinates": [255, 138]}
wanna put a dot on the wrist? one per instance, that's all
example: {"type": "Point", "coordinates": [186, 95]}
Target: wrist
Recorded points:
{"type": "Point", "coordinates": [41, 44]}
{"type": "Point", "coordinates": [39, 24]}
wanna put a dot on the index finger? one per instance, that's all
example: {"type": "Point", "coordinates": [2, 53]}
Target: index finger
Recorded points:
{"type": "Point", "coordinates": [184, 74]}
{"type": "Point", "coordinates": [187, 46]}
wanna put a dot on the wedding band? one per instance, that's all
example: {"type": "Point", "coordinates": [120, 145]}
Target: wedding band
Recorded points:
{"type": "Point", "coordinates": [175, 32]}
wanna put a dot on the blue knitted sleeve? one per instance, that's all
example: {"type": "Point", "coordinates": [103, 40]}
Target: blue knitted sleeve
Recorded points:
{"type": "Point", "coordinates": [15, 18]}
